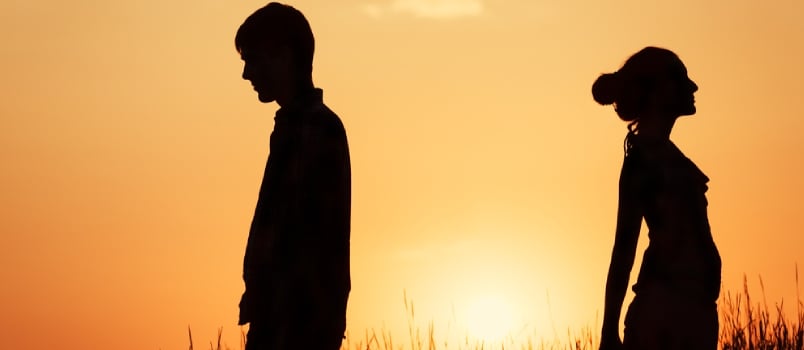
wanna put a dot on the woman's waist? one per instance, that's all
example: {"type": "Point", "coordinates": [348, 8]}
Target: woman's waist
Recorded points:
{"type": "Point", "coordinates": [682, 257]}
{"type": "Point", "coordinates": [693, 275]}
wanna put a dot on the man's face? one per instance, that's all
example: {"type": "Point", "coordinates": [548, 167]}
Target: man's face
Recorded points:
{"type": "Point", "coordinates": [267, 70]}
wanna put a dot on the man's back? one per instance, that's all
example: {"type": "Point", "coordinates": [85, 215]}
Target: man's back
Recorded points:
{"type": "Point", "coordinates": [296, 266]}
{"type": "Point", "coordinates": [298, 251]}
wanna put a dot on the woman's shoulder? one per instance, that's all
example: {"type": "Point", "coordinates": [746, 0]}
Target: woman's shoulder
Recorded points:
{"type": "Point", "coordinates": [640, 151]}
{"type": "Point", "coordinates": [649, 160]}
{"type": "Point", "coordinates": [660, 160]}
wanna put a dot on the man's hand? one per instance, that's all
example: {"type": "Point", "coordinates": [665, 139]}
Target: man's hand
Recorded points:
{"type": "Point", "coordinates": [246, 309]}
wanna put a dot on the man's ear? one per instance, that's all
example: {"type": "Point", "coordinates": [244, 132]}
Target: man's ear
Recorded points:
{"type": "Point", "coordinates": [284, 54]}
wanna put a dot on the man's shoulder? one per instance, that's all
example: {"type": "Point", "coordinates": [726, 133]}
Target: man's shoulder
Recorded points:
{"type": "Point", "coordinates": [319, 116]}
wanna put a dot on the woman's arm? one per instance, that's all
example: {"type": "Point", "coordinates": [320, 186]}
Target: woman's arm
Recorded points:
{"type": "Point", "coordinates": [629, 221]}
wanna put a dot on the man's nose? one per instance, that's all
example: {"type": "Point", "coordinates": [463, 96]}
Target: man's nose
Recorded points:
{"type": "Point", "coordinates": [246, 72]}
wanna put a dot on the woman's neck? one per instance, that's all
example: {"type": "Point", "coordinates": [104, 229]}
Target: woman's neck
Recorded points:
{"type": "Point", "coordinates": [657, 128]}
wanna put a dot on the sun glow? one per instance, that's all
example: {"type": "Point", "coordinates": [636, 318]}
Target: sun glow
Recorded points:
{"type": "Point", "coordinates": [490, 318]}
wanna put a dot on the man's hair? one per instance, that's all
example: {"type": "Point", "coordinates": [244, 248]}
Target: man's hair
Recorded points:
{"type": "Point", "coordinates": [275, 26]}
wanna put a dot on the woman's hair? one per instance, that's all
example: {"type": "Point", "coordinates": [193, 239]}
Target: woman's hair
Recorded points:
{"type": "Point", "coordinates": [277, 25]}
{"type": "Point", "coordinates": [629, 88]}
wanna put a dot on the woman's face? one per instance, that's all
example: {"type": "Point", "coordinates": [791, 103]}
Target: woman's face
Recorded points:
{"type": "Point", "coordinates": [674, 94]}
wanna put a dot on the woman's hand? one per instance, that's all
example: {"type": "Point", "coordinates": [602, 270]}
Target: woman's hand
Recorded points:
{"type": "Point", "coordinates": [611, 342]}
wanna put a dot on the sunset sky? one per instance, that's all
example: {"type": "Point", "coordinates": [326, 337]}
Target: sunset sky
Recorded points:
{"type": "Point", "coordinates": [484, 174]}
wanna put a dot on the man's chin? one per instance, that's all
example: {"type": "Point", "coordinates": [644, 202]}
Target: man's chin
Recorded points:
{"type": "Point", "coordinates": [265, 98]}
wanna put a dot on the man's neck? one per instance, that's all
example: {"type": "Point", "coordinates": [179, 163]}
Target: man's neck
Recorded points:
{"type": "Point", "coordinates": [294, 93]}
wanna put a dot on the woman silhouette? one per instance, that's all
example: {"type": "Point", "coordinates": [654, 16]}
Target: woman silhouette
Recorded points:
{"type": "Point", "coordinates": [679, 281]}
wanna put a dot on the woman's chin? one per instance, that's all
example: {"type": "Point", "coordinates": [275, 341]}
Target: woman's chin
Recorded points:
{"type": "Point", "coordinates": [688, 110]}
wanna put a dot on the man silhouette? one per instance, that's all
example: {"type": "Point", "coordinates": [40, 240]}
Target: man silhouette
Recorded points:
{"type": "Point", "coordinates": [296, 265]}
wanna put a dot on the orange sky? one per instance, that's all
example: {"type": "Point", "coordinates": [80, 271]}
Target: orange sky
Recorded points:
{"type": "Point", "coordinates": [483, 171]}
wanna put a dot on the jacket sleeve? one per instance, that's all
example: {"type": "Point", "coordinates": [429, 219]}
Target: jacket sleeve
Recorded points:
{"type": "Point", "coordinates": [256, 267]}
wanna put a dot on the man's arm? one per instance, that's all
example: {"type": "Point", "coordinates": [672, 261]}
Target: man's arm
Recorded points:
{"type": "Point", "coordinates": [255, 260]}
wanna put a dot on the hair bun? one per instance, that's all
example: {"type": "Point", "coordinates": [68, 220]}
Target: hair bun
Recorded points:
{"type": "Point", "coordinates": [606, 89]}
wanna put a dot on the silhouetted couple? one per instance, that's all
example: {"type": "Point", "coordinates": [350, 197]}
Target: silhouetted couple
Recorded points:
{"type": "Point", "coordinates": [296, 266]}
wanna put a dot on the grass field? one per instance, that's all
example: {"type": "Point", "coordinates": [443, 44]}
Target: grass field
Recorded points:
{"type": "Point", "coordinates": [744, 324]}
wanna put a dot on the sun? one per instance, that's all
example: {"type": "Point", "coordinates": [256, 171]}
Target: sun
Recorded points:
{"type": "Point", "coordinates": [489, 318]}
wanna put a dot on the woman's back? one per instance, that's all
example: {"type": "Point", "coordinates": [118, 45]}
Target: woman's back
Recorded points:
{"type": "Point", "coordinates": [681, 254]}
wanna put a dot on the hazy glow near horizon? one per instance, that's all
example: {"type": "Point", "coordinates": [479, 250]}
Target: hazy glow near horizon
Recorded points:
{"type": "Point", "coordinates": [490, 317]}
{"type": "Point", "coordinates": [484, 175]}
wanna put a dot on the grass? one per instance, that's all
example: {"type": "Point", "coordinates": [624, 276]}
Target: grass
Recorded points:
{"type": "Point", "coordinates": [754, 326]}
{"type": "Point", "coordinates": [744, 325]}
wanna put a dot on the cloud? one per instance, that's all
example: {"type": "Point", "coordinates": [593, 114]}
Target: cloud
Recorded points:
{"type": "Point", "coordinates": [437, 9]}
